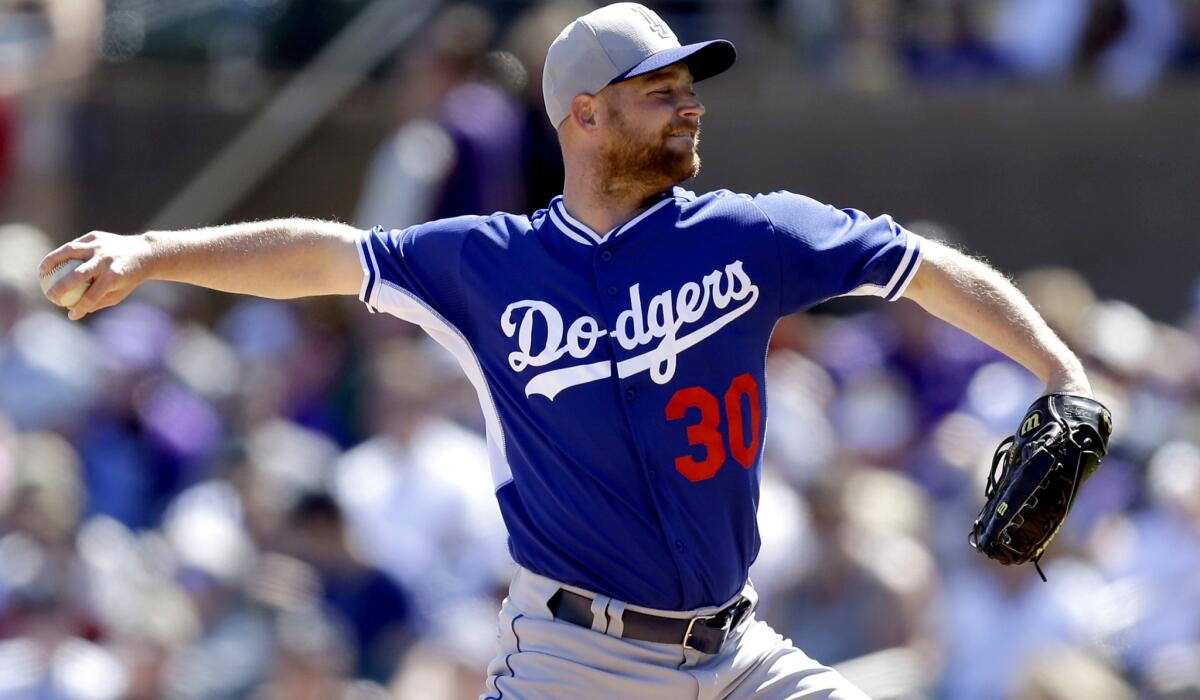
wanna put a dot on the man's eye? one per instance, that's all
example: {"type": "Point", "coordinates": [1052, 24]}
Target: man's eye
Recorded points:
{"type": "Point", "coordinates": [662, 91]}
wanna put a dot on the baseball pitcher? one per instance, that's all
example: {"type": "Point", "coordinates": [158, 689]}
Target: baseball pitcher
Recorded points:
{"type": "Point", "coordinates": [617, 342]}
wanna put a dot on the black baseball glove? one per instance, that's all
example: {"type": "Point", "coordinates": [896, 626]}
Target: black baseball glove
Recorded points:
{"type": "Point", "coordinates": [1036, 474]}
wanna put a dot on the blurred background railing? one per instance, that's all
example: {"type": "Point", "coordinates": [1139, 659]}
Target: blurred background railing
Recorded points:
{"type": "Point", "coordinates": [203, 496]}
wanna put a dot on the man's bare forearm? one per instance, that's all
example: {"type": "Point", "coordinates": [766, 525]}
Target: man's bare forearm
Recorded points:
{"type": "Point", "coordinates": [972, 296]}
{"type": "Point", "coordinates": [279, 259]}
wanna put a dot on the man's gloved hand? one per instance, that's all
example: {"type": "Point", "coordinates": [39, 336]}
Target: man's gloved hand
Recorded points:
{"type": "Point", "coordinates": [1036, 474]}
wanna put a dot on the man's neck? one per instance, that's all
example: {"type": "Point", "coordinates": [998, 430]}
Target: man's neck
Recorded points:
{"type": "Point", "coordinates": [603, 212]}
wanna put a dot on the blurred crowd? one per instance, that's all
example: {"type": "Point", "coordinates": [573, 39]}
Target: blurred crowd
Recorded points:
{"type": "Point", "coordinates": [1127, 44]}
{"type": "Point", "coordinates": [215, 498]}
{"type": "Point", "coordinates": [1126, 47]}
{"type": "Point", "coordinates": [212, 497]}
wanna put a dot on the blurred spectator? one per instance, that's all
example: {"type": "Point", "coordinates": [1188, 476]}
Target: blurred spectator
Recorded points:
{"type": "Point", "coordinates": [849, 602]}
{"type": "Point", "coordinates": [414, 493]}
{"type": "Point", "coordinates": [1040, 38]}
{"type": "Point", "coordinates": [320, 374]}
{"type": "Point", "coordinates": [941, 44]}
{"type": "Point", "coordinates": [449, 662]}
{"type": "Point", "coordinates": [1131, 43]}
{"type": "Point", "coordinates": [42, 612]}
{"type": "Point", "coordinates": [375, 609]}
{"type": "Point", "coordinates": [49, 369]}
{"type": "Point", "coordinates": [146, 436]}
{"type": "Point", "coordinates": [1149, 557]}
{"type": "Point", "coordinates": [302, 27]}
{"type": "Point", "coordinates": [1174, 673]}
{"type": "Point", "coordinates": [1068, 674]}
{"type": "Point", "coordinates": [1189, 51]}
{"type": "Point", "coordinates": [7, 145]}
{"type": "Point", "coordinates": [457, 149]}
{"type": "Point", "coordinates": [528, 40]}
{"type": "Point", "coordinates": [799, 395]}
{"type": "Point", "coordinates": [814, 28]}
{"type": "Point", "coordinates": [228, 652]}
{"type": "Point", "coordinates": [998, 620]}
{"type": "Point", "coordinates": [875, 46]}
{"type": "Point", "coordinates": [314, 662]}
{"type": "Point", "coordinates": [46, 46]}
{"type": "Point", "coordinates": [867, 59]}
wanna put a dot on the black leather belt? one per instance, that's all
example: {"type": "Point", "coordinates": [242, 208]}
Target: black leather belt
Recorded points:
{"type": "Point", "coordinates": [704, 633]}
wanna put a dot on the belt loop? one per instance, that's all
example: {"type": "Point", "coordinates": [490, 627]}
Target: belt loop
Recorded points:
{"type": "Point", "coordinates": [600, 613]}
{"type": "Point", "coordinates": [616, 618]}
{"type": "Point", "coordinates": [750, 593]}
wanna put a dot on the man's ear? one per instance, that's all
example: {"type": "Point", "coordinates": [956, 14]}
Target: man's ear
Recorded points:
{"type": "Point", "coordinates": [584, 110]}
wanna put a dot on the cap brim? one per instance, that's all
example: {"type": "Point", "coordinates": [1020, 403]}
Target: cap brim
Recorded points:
{"type": "Point", "coordinates": [704, 60]}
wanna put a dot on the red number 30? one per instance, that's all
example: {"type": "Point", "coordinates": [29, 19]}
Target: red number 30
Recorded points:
{"type": "Point", "coordinates": [706, 432]}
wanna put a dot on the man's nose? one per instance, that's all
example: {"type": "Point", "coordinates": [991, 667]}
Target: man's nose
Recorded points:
{"type": "Point", "coordinates": [691, 108]}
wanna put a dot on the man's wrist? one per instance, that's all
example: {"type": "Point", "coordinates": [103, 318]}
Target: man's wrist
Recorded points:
{"type": "Point", "coordinates": [150, 255]}
{"type": "Point", "coordinates": [1069, 380]}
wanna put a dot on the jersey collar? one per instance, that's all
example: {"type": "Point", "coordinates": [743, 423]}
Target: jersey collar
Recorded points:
{"type": "Point", "coordinates": [580, 233]}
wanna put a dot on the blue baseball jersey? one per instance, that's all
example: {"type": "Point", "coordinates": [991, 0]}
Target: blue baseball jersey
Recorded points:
{"type": "Point", "coordinates": [621, 376]}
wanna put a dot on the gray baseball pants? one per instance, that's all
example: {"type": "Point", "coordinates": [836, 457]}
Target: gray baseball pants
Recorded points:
{"type": "Point", "coordinates": [543, 658]}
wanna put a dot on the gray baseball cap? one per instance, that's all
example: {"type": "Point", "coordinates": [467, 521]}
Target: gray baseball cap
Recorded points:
{"type": "Point", "coordinates": [615, 43]}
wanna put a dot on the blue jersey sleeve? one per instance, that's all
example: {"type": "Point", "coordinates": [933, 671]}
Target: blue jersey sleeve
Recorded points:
{"type": "Point", "coordinates": [827, 252]}
{"type": "Point", "coordinates": [409, 272]}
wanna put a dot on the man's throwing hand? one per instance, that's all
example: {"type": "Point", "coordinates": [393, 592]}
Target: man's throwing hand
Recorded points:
{"type": "Point", "coordinates": [112, 266]}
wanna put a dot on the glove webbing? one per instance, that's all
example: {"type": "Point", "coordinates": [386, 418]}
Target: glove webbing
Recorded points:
{"type": "Point", "coordinates": [1002, 466]}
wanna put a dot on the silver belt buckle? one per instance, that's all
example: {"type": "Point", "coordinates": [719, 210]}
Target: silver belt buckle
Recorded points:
{"type": "Point", "coordinates": [724, 631]}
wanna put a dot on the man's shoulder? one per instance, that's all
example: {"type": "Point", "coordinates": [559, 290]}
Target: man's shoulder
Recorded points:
{"type": "Point", "coordinates": [770, 212]}
{"type": "Point", "coordinates": [498, 227]}
{"type": "Point", "coordinates": [776, 206]}
{"type": "Point", "coordinates": [729, 197]}
{"type": "Point", "coordinates": [721, 203]}
{"type": "Point", "coordinates": [718, 196]}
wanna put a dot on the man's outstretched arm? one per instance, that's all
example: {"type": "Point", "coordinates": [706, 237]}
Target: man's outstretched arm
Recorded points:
{"type": "Point", "coordinates": [279, 259]}
{"type": "Point", "coordinates": [969, 294]}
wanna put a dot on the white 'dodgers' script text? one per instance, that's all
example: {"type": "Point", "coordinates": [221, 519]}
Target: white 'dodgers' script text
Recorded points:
{"type": "Point", "coordinates": [661, 319]}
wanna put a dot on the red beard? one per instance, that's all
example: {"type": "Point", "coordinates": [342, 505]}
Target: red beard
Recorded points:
{"type": "Point", "coordinates": [631, 163]}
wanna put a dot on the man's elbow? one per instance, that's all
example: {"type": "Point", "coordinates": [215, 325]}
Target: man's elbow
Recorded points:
{"type": "Point", "coordinates": [946, 274]}
{"type": "Point", "coordinates": [341, 266]}
{"type": "Point", "coordinates": [933, 269]}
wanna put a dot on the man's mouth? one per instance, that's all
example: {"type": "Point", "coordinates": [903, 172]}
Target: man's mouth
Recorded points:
{"type": "Point", "coordinates": [684, 130]}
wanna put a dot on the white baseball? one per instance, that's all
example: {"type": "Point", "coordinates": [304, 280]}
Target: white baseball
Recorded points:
{"type": "Point", "coordinates": [73, 294]}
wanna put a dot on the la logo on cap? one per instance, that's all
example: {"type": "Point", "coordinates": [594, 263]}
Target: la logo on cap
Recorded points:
{"type": "Point", "coordinates": [656, 25]}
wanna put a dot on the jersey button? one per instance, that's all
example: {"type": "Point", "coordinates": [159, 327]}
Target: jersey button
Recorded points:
{"type": "Point", "coordinates": [630, 394]}
{"type": "Point", "coordinates": [651, 473]}
{"type": "Point", "coordinates": [612, 291]}
{"type": "Point", "coordinates": [679, 546]}
{"type": "Point", "coordinates": [606, 255]}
